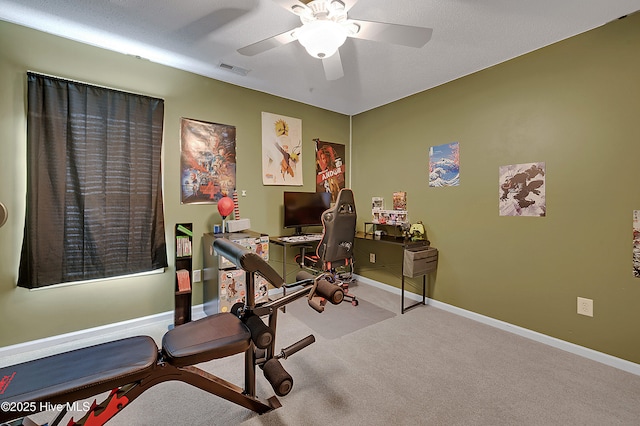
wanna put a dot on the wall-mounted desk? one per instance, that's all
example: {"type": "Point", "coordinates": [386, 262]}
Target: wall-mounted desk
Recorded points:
{"type": "Point", "coordinates": [418, 259]}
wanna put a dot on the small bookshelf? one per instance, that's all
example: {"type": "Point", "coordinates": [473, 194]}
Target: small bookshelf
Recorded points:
{"type": "Point", "coordinates": [184, 267]}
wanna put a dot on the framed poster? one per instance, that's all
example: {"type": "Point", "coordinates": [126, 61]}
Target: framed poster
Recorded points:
{"type": "Point", "coordinates": [281, 150]}
{"type": "Point", "coordinates": [207, 161]}
{"type": "Point", "coordinates": [330, 168]}
{"type": "Point", "coordinates": [522, 190]}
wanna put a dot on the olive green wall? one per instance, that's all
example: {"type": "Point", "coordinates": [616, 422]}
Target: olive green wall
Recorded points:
{"type": "Point", "coordinates": [26, 315]}
{"type": "Point", "coordinates": [574, 105]}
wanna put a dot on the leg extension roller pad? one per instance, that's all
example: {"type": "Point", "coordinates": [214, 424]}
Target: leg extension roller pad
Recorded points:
{"type": "Point", "coordinates": [331, 292]}
{"type": "Point", "coordinates": [278, 377]}
{"type": "Point", "coordinates": [261, 334]}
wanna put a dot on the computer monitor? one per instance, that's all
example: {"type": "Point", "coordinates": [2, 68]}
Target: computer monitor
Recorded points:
{"type": "Point", "coordinates": [304, 209]}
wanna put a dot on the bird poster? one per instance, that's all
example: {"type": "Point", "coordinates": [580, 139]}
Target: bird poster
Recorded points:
{"type": "Point", "coordinates": [444, 165]}
{"type": "Point", "coordinates": [281, 150]}
{"type": "Point", "coordinates": [207, 161]}
{"type": "Point", "coordinates": [522, 190]}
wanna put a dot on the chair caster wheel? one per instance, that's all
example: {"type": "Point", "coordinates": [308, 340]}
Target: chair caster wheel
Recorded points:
{"type": "Point", "coordinates": [276, 375]}
{"type": "Point", "coordinates": [354, 302]}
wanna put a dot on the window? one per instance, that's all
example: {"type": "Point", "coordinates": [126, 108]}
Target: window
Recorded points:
{"type": "Point", "coordinates": [94, 183]}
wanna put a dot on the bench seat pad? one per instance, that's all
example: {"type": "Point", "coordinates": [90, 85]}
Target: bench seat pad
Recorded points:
{"type": "Point", "coordinates": [212, 337]}
{"type": "Point", "coordinates": [78, 374]}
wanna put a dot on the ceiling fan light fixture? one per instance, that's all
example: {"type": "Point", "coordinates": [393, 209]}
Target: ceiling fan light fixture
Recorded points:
{"type": "Point", "coordinates": [322, 37]}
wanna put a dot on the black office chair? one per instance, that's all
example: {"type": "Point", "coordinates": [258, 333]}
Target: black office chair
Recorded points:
{"type": "Point", "coordinates": [334, 253]}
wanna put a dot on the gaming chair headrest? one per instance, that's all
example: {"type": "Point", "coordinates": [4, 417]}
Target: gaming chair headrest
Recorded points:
{"type": "Point", "coordinates": [345, 204]}
{"type": "Point", "coordinates": [345, 199]}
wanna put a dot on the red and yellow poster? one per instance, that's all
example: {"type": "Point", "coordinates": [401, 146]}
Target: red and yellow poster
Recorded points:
{"type": "Point", "coordinates": [330, 168]}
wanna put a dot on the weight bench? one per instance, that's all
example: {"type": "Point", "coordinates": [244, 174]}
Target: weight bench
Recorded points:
{"type": "Point", "coordinates": [128, 367]}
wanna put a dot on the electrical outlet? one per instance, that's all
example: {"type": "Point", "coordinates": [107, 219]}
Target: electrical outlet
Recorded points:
{"type": "Point", "coordinates": [585, 306]}
{"type": "Point", "coordinates": [372, 257]}
{"type": "Point", "coordinates": [197, 276]}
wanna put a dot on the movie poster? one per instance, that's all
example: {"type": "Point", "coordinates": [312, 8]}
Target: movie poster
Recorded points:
{"type": "Point", "coordinates": [522, 190]}
{"type": "Point", "coordinates": [281, 150]}
{"type": "Point", "coordinates": [330, 168]}
{"type": "Point", "coordinates": [207, 161]}
{"type": "Point", "coordinates": [444, 165]}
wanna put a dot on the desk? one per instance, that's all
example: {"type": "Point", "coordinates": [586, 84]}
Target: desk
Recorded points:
{"type": "Point", "coordinates": [290, 241]}
{"type": "Point", "coordinates": [411, 247]}
{"type": "Point", "coordinates": [286, 242]}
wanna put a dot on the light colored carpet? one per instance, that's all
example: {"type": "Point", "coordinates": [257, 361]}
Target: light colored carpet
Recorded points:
{"type": "Point", "coordinates": [338, 320]}
{"type": "Point", "coordinates": [426, 367]}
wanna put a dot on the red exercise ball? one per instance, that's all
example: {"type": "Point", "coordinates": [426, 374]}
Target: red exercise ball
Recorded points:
{"type": "Point", "coordinates": [225, 206]}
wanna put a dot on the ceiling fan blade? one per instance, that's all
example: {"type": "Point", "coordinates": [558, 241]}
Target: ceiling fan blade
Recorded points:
{"type": "Point", "coordinates": [404, 35]}
{"type": "Point", "coordinates": [333, 67]}
{"type": "Point", "coordinates": [269, 43]}
{"type": "Point", "coordinates": [293, 6]}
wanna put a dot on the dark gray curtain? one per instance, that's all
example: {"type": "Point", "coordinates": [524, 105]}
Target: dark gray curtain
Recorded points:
{"type": "Point", "coordinates": [94, 191]}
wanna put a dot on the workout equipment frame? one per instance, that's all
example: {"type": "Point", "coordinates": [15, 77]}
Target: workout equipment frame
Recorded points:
{"type": "Point", "coordinates": [129, 367]}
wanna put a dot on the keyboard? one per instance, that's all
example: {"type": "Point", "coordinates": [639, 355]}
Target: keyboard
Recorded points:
{"type": "Point", "coordinates": [301, 238]}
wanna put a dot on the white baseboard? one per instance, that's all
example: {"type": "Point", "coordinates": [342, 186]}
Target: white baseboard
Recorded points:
{"type": "Point", "coordinates": [591, 354]}
{"type": "Point", "coordinates": [164, 317]}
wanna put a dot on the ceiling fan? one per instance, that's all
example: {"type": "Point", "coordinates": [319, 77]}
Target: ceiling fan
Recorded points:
{"type": "Point", "coordinates": [325, 27]}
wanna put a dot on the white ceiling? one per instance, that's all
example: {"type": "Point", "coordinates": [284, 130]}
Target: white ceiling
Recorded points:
{"type": "Point", "coordinates": [199, 35]}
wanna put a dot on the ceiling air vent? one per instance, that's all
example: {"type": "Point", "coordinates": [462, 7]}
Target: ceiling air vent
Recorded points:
{"type": "Point", "coordinates": [233, 69]}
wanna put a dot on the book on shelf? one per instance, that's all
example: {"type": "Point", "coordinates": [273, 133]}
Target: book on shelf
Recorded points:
{"type": "Point", "coordinates": [184, 281]}
{"type": "Point", "coordinates": [183, 246]}
{"type": "Point", "coordinates": [184, 230]}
